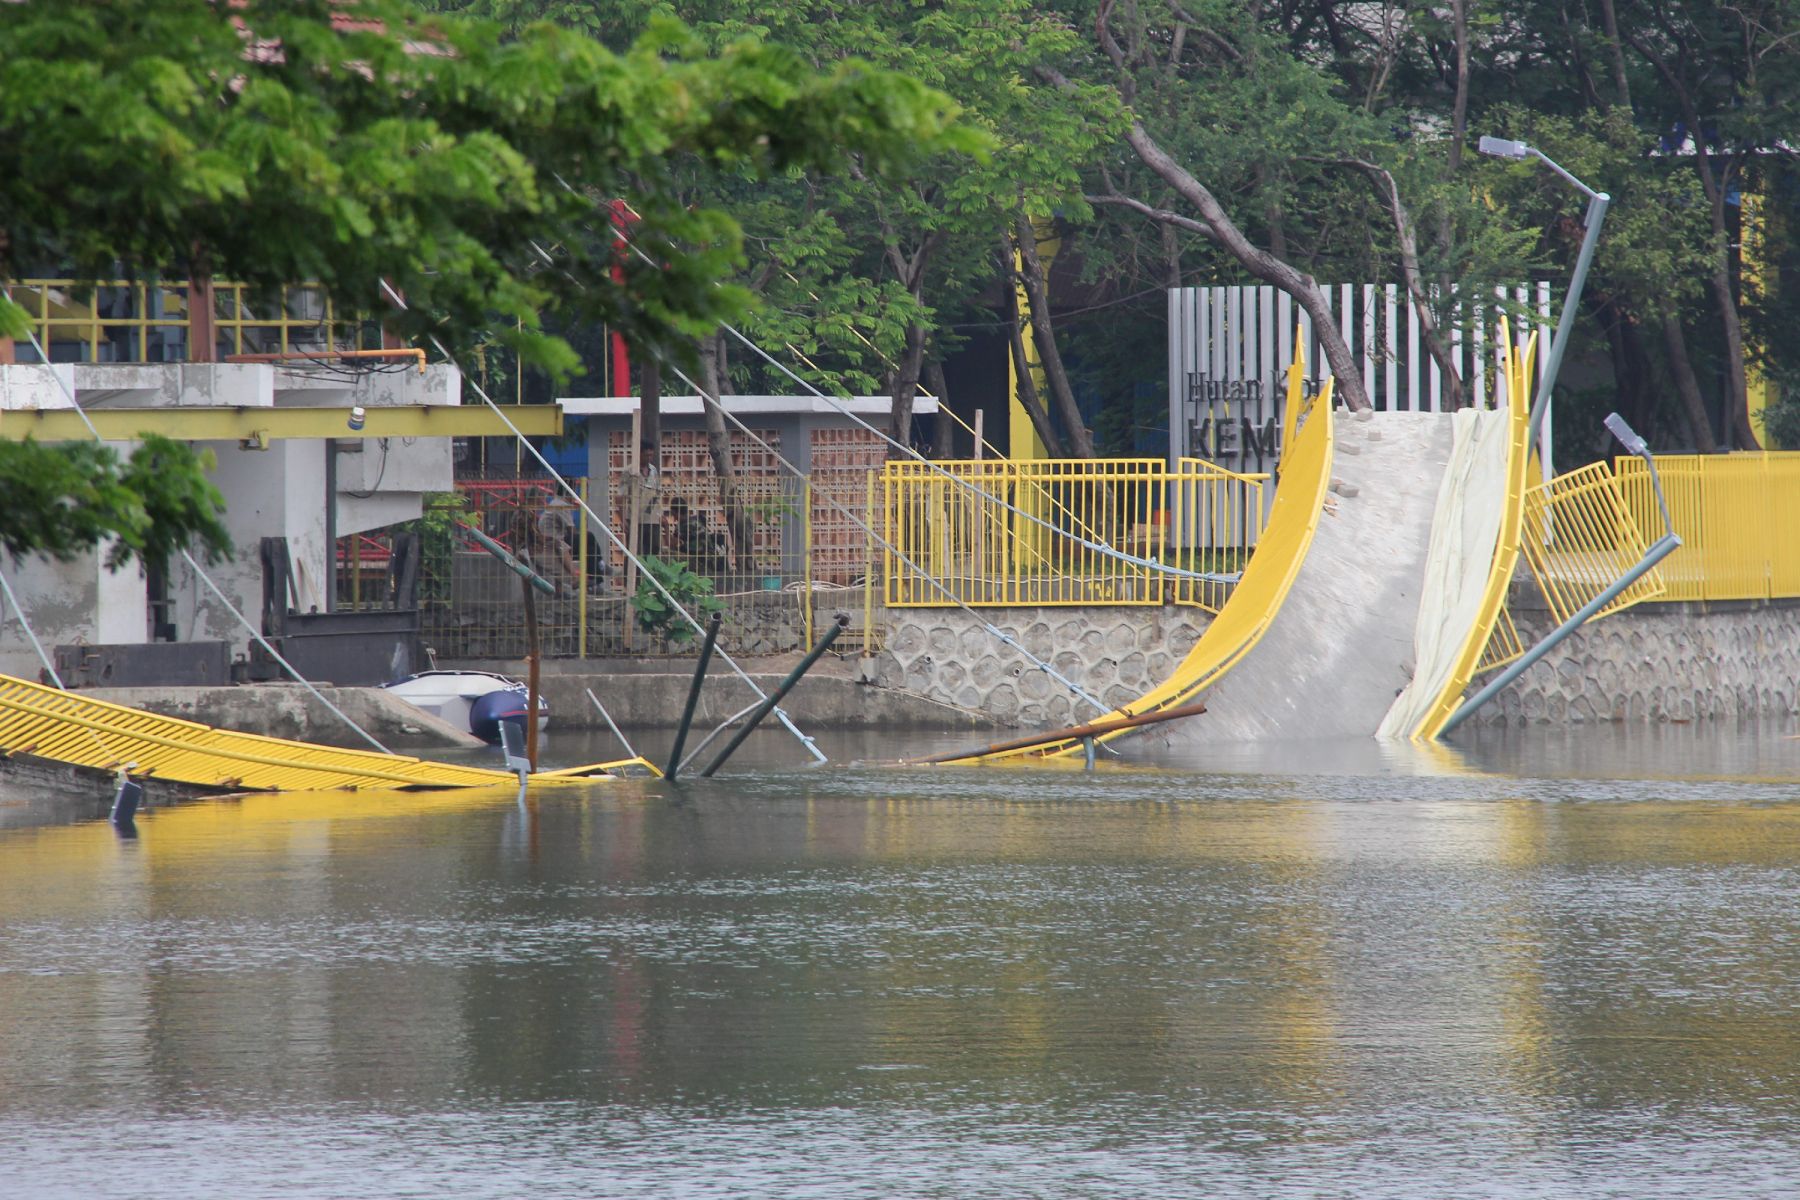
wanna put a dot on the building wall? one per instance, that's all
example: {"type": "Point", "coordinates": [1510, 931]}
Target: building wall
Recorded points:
{"type": "Point", "coordinates": [281, 491]}
{"type": "Point", "coordinates": [63, 602]}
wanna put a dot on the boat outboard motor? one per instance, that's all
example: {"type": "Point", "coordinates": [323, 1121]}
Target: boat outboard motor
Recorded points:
{"type": "Point", "coordinates": [486, 712]}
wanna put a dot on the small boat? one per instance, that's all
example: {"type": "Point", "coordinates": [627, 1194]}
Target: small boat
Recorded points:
{"type": "Point", "coordinates": [473, 700]}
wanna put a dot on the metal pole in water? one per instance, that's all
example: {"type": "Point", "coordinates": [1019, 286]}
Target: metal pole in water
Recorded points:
{"type": "Point", "coordinates": [786, 686]}
{"type": "Point", "coordinates": [693, 697]}
{"type": "Point", "coordinates": [512, 746]}
{"type": "Point", "coordinates": [1663, 548]}
{"type": "Point", "coordinates": [125, 802]}
{"type": "Point", "coordinates": [531, 674]}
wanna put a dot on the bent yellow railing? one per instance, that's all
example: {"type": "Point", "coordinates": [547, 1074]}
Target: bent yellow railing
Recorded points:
{"type": "Point", "coordinates": [78, 730]}
{"type": "Point", "coordinates": [1578, 537]}
{"type": "Point", "coordinates": [1267, 578]}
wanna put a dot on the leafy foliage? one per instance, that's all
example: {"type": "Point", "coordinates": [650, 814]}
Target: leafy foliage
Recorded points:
{"type": "Point", "coordinates": [362, 143]}
{"type": "Point", "coordinates": [62, 500]}
{"type": "Point", "coordinates": [692, 592]}
{"type": "Point", "coordinates": [366, 145]}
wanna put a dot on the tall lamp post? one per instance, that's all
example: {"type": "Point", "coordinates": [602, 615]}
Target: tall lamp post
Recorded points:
{"type": "Point", "coordinates": [1559, 343]}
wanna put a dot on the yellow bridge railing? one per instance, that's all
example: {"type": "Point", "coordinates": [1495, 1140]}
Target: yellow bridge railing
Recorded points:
{"type": "Point", "coordinates": [1735, 514]}
{"type": "Point", "coordinates": [992, 532]}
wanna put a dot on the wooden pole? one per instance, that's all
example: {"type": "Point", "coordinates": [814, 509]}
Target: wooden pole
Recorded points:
{"type": "Point", "coordinates": [531, 673]}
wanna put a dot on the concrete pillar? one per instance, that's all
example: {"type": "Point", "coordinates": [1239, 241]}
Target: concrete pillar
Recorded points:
{"type": "Point", "coordinates": [302, 520]}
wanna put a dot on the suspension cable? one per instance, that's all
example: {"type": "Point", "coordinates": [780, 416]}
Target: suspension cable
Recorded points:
{"type": "Point", "coordinates": [761, 444]}
{"type": "Point", "coordinates": [1100, 548]}
{"type": "Point", "coordinates": [644, 572]}
{"type": "Point", "coordinates": [25, 624]}
{"type": "Point", "coordinates": [988, 626]}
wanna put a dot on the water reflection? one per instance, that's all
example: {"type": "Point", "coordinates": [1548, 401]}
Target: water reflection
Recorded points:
{"type": "Point", "coordinates": [1402, 976]}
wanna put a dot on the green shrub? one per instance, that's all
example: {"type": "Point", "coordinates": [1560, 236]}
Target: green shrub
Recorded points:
{"type": "Point", "coordinates": [693, 592]}
{"type": "Point", "coordinates": [1781, 419]}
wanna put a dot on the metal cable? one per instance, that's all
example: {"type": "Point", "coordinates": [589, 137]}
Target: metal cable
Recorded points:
{"type": "Point", "coordinates": [787, 722]}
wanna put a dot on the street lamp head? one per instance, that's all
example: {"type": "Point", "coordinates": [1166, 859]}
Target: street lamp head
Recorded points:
{"type": "Point", "coordinates": [1627, 436]}
{"type": "Point", "coordinates": [1503, 148]}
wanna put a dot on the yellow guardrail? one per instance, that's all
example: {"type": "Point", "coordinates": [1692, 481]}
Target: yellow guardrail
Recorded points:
{"type": "Point", "coordinates": [140, 321]}
{"type": "Point", "coordinates": [1735, 515]}
{"type": "Point", "coordinates": [959, 522]}
{"type": "Point", "coordinates": [82, 731]}
{"type": "Point", "coordinates": [1267, 579]}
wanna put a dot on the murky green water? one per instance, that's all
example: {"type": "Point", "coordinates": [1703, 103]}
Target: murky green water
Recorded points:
{"type": "Point", "coordinates": [1548, 967]}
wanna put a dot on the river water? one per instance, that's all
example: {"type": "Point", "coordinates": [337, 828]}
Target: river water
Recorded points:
{"type": "Point", "coordinates": [1545, 966]}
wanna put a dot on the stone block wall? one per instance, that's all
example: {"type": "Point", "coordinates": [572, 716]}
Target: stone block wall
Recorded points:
{"type": "Point", "coordinates": [1655, 662]}
{"type": "Point", "coordinates": [1114, 653]}
{"type": "Point", "coordinates": [1661, 662]}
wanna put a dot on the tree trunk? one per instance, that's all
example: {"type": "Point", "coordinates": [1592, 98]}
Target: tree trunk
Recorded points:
{"type": "Point", "coordinates": [650, 412]}
{"type": "Point", "coordinates": [1686, 385]}
{"type": "Point", "coordinates": [905, 381]}
{"type": "Point", "coordinates": [1616, 44]}
{"type": "Point", "coordinates": [943, 433]}
{"type": "Point", "coordinates": [1737, 416]}
{"type": "Point", "coordinates": [1266, 267]}
{"type": "Point", "coordinates": [1028, 393]}
{"type": "Point", "coordinates": [1408, 245]}
{"type": "Point", "coordinates": [1459, 119]}
{"type": "Point", "coordinates": [1737, 387]}
{"type": "Point", "coordinates": [718, 446]}
{"type": "Point", "coordinates": [1171, 247]}
{"type": "Point", "coordinates": [1031, 274]}
{"type": "Point", "coordinates": [1459, 108]}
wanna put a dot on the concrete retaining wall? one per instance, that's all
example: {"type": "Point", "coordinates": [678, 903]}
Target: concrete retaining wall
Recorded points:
{"type": "Point", "coordinates": [287, 710]}
{"type": "Point", "coordinates": [1655, 662]}
{"type": "Point", "coordinates": [1661, 662]}
{"type": "Point", "coordinates": [1117, 654]}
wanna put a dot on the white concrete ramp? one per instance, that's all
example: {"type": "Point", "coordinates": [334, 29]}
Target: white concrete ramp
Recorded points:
{"type": "Point", "coordinates": [1341, 647]}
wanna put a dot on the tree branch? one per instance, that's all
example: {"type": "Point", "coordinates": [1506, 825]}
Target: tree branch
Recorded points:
{"type": "Point", "coordinates": [1408, 245]}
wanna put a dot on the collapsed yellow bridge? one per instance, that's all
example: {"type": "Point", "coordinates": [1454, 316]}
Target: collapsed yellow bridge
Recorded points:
{"type": "Point", "coordinates": [76, 730]}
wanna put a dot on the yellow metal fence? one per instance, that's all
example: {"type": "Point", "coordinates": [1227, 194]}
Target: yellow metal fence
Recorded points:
{"type": "Point", "coordinates": [1578, 536]}
{"type": "Point", "coordinates": [1736, 515]}
{"type": "Point", "coordinates": [127, 320]}
{"type": "Point", "coordinates": [994, 532]}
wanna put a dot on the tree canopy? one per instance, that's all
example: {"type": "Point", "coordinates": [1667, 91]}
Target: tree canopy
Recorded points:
{"type": "Point", "coordinates": [366, 144]}
{"type": "Point", "coordinates": [1224, 141]}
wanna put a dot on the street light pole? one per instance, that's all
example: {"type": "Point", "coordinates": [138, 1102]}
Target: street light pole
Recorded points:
{"type": "Point", "coordinates": [1559, 343]}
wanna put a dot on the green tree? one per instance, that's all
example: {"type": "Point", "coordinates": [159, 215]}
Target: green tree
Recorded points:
{"type": "Point", "coordinates": [366, 145]}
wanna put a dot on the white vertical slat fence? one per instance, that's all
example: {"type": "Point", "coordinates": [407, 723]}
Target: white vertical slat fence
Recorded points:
{"type": "Point", "coordinates": [1229, 347]}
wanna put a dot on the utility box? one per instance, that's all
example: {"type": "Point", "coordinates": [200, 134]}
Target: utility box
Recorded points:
{"type": "Point", "coordinates": [351, 649]}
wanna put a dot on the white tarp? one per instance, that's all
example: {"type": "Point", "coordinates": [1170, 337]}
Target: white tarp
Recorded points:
{"type": "Point", "coordinates": [1464, 533]}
